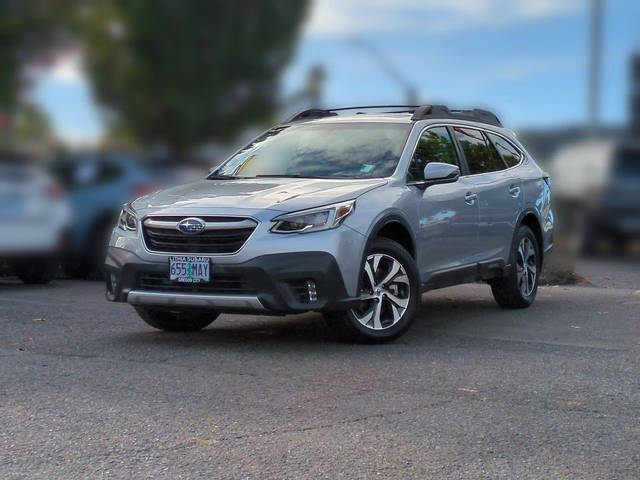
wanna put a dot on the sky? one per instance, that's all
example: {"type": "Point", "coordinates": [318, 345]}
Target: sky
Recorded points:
{"type": "Point", "coordinates": [525, 60]}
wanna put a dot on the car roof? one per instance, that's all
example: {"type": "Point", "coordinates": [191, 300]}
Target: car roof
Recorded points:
{"type": "Point", "coordinates": [400, 118]}
{"type": "Point", "coordinates": [411, 113]}
{"type": "Point", "coordinates": [361, 117]}
{"type": "Point", "coordinates": [421, 115]}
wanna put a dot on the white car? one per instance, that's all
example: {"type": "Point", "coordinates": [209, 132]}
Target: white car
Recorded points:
{"type": "Point", "coordinates": [34, 218]}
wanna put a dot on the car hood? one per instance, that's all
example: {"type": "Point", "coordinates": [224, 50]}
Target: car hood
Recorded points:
{"type": "Point", "coordinates": [279, 194]}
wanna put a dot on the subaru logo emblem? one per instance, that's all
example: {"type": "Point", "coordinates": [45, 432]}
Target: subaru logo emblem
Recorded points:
{"type": "Point", "coordinates": [191, 225]}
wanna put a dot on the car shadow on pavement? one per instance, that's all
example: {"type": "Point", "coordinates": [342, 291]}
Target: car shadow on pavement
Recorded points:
{"type": "Point", "coordinates": [10, 283]}
{"type": "Point", "coordinates": [436, 316]}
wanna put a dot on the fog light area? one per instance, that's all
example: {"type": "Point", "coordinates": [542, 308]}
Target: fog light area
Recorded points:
{"type": "Point", "coordinates": [311, 288]}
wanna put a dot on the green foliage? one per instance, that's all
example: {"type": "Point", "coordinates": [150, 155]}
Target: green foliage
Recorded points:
{"type": "Point", "coordinates": [180, 73]}
{"type": "Point", "coordinates": [171, 72]}
{"type": "Point", "coordinates": [27, 30]}
{"type": "Point", "coordinates": [32, 124]}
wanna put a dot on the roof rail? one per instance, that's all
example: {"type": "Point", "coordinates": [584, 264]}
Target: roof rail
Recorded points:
{"type": "Point", "coordinates": [426, 112]}
{"type": "Point", "coordinates": [407, 108]}
{"type": "Point", "coordinates": [420, 112]}
{"type": "Point", "coordinates": [330, 112]}
{"type": "Point", "coordinates": [311, 113]}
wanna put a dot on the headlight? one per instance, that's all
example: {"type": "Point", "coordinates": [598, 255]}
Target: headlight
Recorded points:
{"type": "Point", "coordinates": [314, 219]}
{"type": "Point", "coordinates": [128, 220]}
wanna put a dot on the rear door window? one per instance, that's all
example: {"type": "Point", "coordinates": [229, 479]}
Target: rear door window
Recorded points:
{"type": "Point", "coordinates": [510, 154]}
{"type": "Point", "coordinates": [480, 155]}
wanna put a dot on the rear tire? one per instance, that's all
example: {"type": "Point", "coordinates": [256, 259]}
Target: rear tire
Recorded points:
{"type": "Point", "coordinates": [390, 289]}
{"type": "Point", "coordinates": [36, 272]}
{"type": "Point", "coordinates": [176, 321]}
{"type": "Point", "coordinates": [518, 289]}
{"type": "Point", "coordinates": [77, 269]}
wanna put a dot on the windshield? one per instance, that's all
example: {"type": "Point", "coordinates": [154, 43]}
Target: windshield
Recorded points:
{"type": "Point", "coordinates": [329, 150]}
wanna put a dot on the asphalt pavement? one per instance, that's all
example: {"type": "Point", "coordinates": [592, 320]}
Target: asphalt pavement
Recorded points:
{"type": "Point", "coordinates": [87, 390]}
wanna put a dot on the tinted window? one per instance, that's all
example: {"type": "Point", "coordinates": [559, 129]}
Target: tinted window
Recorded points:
{"type": "Point", "coordinates": [507, 151]}
{"type": "Point", "coordinates": [480, 154]}
{"type": "Point", "coordinates": [435, 145]}
{"type": "Point", "coordinates": [108, 172]}
{"type": "Point", "coordinates": [627, 163]}
{"type": "Point", "coordinates": [335, 150]}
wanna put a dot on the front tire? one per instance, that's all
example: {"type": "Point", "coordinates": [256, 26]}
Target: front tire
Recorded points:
{"type": "Point", "coordinates": [518, 289]}
{"type": "Point", "coordinates": [390, 293]}
{"type": "Point", "coordinates": [176, 321]}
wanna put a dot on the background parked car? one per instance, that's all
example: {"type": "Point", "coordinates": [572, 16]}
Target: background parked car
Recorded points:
{"type": "Point", "coordinates": [34, 217]}
{"type": "Point", "coordinates": [98, 184]}
{"type": "Point", "coordinates": [596, 183]}
{"type": "Point", "coordinates": [613, 212]}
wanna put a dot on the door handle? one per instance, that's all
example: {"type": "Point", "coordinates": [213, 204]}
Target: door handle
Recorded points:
{"type": "Point", "coordinates": [514, 191]}
{"type": "Point", "coordinates": [470, 198]}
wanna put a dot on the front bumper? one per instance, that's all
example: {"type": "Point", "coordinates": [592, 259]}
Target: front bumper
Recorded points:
{"type": "Point", "coordinates": [275, 283]}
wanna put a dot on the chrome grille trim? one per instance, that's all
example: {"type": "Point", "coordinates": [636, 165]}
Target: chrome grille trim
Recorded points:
{"type": "Point", "coordinates": [160, 235]}
{"type": "Point", "coordinates": [247, 223]}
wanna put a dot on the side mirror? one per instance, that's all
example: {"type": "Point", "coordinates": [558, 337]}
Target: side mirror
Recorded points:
{"type": "Point", "coordinates": [436, 173]}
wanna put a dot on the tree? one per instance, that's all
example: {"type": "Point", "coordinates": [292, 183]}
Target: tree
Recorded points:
{"type": "Point", "coordinates": [182, 72]}
{"type": "Point", "coordinates": [32, 124]}
{"type": "Point", "coordinates": [28, 31]}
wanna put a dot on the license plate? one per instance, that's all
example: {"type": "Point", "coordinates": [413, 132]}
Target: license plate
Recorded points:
{"type": "Point", "coordinates": [185, 269]}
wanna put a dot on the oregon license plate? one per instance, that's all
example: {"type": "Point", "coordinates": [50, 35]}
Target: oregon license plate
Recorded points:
{"type": "Point", "coordinates": [186, 269]}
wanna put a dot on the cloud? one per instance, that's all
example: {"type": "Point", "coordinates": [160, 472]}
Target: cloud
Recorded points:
{"type": "Point", "coordinates": [68, 70]}
{"type": "Point", "coordinates": [348, 17]}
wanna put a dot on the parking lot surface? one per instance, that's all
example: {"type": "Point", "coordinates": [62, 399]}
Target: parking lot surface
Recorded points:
{"type": "Point", "coordinates": [472, 391]}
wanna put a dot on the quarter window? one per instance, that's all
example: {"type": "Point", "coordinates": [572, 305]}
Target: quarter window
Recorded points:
{"type": "Point", "coordinates": [435, 145]}
{"type": "Point", "coordinates": [507, 151]}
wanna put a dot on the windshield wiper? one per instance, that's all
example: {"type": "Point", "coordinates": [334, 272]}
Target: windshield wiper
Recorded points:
{"type": "Point", "coordinates": [223, 177]}
{"type": "Point", "coordinates": [295, 175]}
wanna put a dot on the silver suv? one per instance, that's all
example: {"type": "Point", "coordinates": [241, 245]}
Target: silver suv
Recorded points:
{"type": "Point", "coordinates": [351, 212]}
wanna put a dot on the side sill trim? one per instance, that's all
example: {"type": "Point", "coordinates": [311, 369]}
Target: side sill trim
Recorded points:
{"type": "Point", "coordinates": [240, 302]}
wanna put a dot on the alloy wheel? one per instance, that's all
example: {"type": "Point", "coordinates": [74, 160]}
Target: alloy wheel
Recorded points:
{"type": "Point", "coordinates": [527, 267]}
{"type": "Point", "coordinates": [385, 292]}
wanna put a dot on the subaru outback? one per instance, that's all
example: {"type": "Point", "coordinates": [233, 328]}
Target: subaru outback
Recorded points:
{"type": "Point", "coordinates": [352, 212]}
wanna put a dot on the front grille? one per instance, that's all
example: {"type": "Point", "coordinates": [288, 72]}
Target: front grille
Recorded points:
{"type": "Point", "coordinates": [222, 235]}
{"type": "Point", "coordinates": [219, 284]}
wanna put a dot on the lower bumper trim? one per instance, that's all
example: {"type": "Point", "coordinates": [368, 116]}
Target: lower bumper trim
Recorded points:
{"type": "Point", "coordinates": [240, 302]}
{"type": "Point", "coordinates": [264, 284]}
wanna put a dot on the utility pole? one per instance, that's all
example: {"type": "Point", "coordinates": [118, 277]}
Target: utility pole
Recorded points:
{"type": "Point", "coordinates": [410, 92]}
{"type": "Point", "coordinates": [595, 61]}
{"type": "Point", "coordinates": [634, 102]}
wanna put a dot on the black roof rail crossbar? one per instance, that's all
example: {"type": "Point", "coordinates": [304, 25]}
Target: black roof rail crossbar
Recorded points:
{"type": "Point", "coordinates": [409, 108]}
{"type": "Point", "coordinates": [311, 113]}
{"type": "Point", "coordinates": [426, 112]}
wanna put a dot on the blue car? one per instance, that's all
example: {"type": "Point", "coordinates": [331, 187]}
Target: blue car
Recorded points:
{"type": "Point", "coordinates": [97, 185]}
